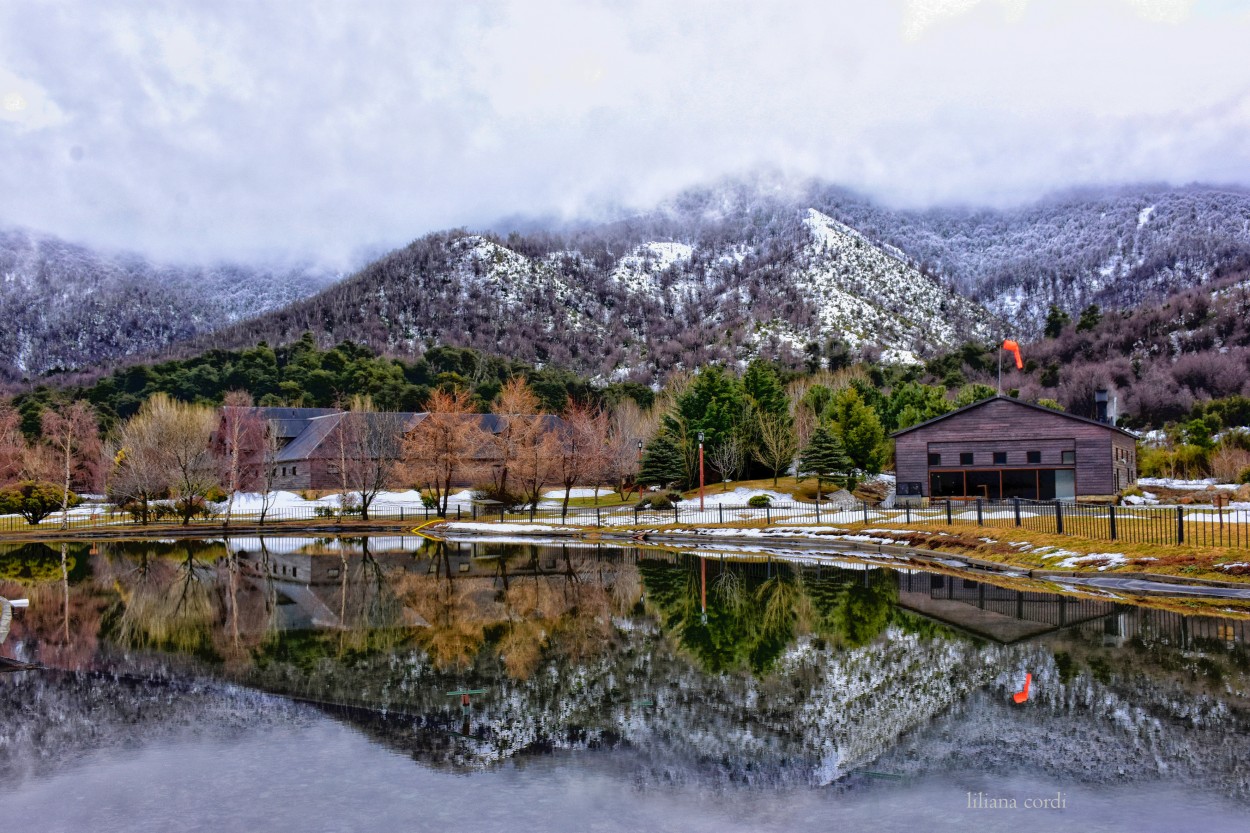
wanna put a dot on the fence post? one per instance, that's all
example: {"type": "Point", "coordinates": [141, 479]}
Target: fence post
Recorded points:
{"type": "Point", "coordinates": [531, 513]}
{"type": "Point", "coordinates": [635, 516]}
{"type": "Point", "coordinates": [401, 513]}
{"type": "Point", "coordinates": [949, 521]}
{"type": "Point", "coordinates": [676, 516]}
{"type": "Point", "coordinates": [1111, 519]}
{"type": "Point", "coordinates": [1015, 505]}
{"type": "Point", "coordinates": [817, 511]}
{"type": "Point", "coordinates": [501, 514]}
{"type": "Point", "coordinates": [1058, 518]}
{"type": "Point", "coordinates": [472, 511]}
{"type": "Point", "coordinates": [980, 514]}
{"type": "Point", "coordinates": [768, 516]}
{"type": "Point", "coordinates": [1180, 524]}
{"type": "Point", "coordinates": [597, 521]}
{"type": "Point", "coordinates": [563, 515]}
{"type": "Point", "coordinates": [864, 505]}
{"type": "Point", "coordinates": [720, 513]}
{"type": "Point", "coordinates": [458, 512]}
{"type": "Point", "coordinates": [907, 515]}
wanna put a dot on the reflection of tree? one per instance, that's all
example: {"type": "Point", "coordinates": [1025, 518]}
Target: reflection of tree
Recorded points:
{"type": "Point", "coordinates": [167, 600]}
{"type": "Point", "coordinates": [754, 611]}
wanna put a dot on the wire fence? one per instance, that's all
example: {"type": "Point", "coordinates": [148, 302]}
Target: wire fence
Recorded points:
{"type": "Point", "coordinates": [1181, 525]}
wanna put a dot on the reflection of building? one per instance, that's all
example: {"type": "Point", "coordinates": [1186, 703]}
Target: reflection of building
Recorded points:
{"type": "Point", "coordinates": [999, 613]}
{"type": "Point", "coordinates": [1002, 448]}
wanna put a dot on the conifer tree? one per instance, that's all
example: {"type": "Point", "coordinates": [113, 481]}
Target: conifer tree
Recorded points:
{"type": "Point", "coordinates": [823, 458]}
{"type": "Point", "coordinates": [662, 462]}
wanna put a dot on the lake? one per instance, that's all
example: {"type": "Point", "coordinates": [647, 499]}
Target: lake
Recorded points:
{"type": "Point", "coordinates": [397, 683]}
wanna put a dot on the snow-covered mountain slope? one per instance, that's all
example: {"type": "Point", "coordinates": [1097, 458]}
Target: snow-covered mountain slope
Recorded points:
{"type": "Point", "coordinates": [613, 307]}
{"type": "Point", "coordinates": [66, 306]}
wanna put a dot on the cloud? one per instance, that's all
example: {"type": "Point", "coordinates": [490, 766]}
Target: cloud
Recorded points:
{"type": "Point", "coordinates": [257, 129]}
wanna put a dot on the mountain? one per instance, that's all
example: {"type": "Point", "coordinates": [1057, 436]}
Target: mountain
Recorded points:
{"type": "Point", "coordinates": [67, 306]}
{"type": "Point", "coordinates": [801, 272]}
{"type": "Point", "coordinates": [1114, 248]}
{"type": "Point", "coordinates": [640, 298]}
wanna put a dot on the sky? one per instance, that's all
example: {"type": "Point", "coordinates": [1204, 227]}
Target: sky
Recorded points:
{"type": "Point", "coordinates": [304, 129]}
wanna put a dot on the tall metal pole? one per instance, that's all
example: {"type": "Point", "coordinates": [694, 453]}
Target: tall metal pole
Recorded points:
{"type": "Point", "coordinates": [700, 471]}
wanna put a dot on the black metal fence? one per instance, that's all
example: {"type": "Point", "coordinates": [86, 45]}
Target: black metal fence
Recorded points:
{"type": "Point", "coordinates": [1185, 525]}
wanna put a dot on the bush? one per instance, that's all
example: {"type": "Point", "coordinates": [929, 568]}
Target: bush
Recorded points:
{"type": "Point", "coordinates": [429, 501]}
{"type": "Point", "coordinates": [759, 501]}
{"type": "Point", "coordinates": [34, 500]}
{"type": "Point", "coordinates": [186, 508]}
{"type": "Point", "coordinates": [216, 495]}
{"type": "Point", "coordinates": [660, 502]}
{"type": "Point", "coordinates": [1244, 477]}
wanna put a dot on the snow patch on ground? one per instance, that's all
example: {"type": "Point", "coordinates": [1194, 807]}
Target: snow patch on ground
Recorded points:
{"type": "Point", "coordinates": [1174, 483]}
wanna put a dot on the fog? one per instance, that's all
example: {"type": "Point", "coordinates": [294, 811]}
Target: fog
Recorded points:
{"type": "Point", "coordinates": [251, 130]}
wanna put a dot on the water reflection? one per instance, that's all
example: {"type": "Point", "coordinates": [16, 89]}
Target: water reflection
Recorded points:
{"type": "Point", "coordinates": [706, 669]}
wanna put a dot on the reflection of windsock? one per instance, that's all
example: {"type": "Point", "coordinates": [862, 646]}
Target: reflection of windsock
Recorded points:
{"type": "Point", "coordinates": [1014, 349]}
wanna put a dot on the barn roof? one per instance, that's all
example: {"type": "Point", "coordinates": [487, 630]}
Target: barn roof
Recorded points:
{"type": "Point", "coordinates": [1014, 401]}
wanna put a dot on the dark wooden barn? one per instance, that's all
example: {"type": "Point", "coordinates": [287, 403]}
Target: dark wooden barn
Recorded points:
{"type": "Point", "coordinates": [1002, 448]}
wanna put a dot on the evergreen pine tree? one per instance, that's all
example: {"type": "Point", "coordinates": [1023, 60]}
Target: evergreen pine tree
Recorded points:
{"type": "Point", "coordinates": [662, 463]}
{"type": "Point", "coordinates": [823, 458]}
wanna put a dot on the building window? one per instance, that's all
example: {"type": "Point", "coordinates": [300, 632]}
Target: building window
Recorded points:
{"type": "Point", "coordinates": [284, 471]}
{"type": "Point", "coordinates": [1069, 456]}
{"type": "Point", "coordinates": [1035, 456]}
{"type": "Point", "coordinates": [294, 470]}
{"type": "Point", "coordinates": [965, 458]}
{"type": "Point", "coordinates": [1000, 458]}
{"type": "Point", "coordinates": [935, 459]}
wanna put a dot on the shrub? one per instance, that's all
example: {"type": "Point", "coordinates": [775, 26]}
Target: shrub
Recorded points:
{"type": "Point", "coordinates": [1244, 477]}
{"type": "Point", "coordinates": [429, 501]}
{"type": "Point", "coordinates": [759, 501]}
{"type": "Point", "coordinates": [660, 502]}
{"type": "Point", "coordinates": [216, 495]}
{"type": "Point", "coordinates": [34, 500]}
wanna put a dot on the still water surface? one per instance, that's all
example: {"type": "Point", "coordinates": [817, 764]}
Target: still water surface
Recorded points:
{"type": "Point", "coordinates": [300, 684]}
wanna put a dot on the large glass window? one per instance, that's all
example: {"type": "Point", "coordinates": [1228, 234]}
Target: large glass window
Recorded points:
{"type": "Point", "coordinates": [1034, 456]}
{"type": "Point", "coordinates": [946, 484]}
{"type": "Point", "coordinates": [1069, 457]}
{"type": "Point", "coordinates": [1065, 484]}
{"type": "Point", "coordinates": [935, 459]}
{"type": "Point", "coordinates": [984, 484]}
{"type": "Point", "coordinates": [1021, 483]}
{"type": "Point", "coordinates": [1000, 458]}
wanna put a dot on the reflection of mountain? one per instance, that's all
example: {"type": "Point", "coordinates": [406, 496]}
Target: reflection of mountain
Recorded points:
{"type": "Point", "coordinates": [53, 719]}
{"type": "Point", "coordinates": [1151, 713]}
{"type": "Point", "coordinates": [799, 675]}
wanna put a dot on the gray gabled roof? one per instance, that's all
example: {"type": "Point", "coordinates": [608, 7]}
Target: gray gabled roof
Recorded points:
{"type": "Point", "coordinates": [1022, 404]}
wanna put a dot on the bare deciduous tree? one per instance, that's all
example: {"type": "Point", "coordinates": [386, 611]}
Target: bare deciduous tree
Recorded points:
{"type": "Point", "coordinates": [728, 458]}
{"type": "Point", "coordinates": [777, 445]}
{"type": "Point", "coordinates": [630, 426]}
{"type": "Point", "coordinates": [240, 446]}
{"type": "Point", "coordinates": [516, 434]}
{"type": "Point", "coordinates": [13, 446]}
{"type": "Point", "coordinates": [369, 446]}
{"type": "Point", "coordinates": [440, 450]}
{"type": "Point", "coordinates": [74, 436]}
{"type": "Point", "coordinates": [165, 450]}
{"type": "Point", "coordinates": [581, 448]}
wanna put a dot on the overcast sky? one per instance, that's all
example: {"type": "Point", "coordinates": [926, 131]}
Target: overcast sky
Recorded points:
{"type": "Point", "coordinates": [259, 128]}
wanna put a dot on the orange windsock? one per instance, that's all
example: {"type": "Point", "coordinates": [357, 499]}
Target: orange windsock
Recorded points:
{"type": "Point", "coordinates": [1013, 348]}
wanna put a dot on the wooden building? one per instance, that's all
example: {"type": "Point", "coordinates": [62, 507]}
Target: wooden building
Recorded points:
{"type": "Point", "coordinates": [1002, 448]}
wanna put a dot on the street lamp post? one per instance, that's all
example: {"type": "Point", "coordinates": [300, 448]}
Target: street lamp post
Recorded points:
{"type": "Point", "coordinates": [638, 479]}
{"type": "Point", "coordinates": [700, 471]}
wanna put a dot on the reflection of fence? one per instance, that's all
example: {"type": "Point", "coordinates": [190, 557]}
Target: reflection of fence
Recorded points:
{"type": "Point", "coordinates": [1195, 526]}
